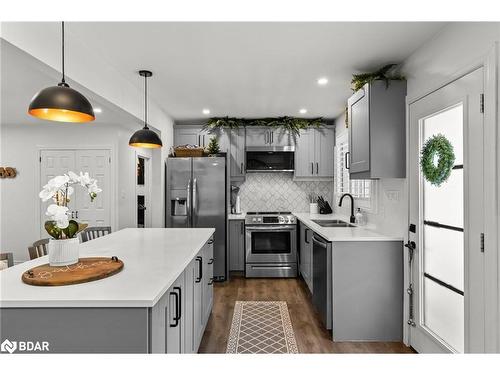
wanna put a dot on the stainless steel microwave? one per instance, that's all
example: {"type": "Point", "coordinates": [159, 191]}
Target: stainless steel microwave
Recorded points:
{"type": "Point", "coordinates": [270, 159]}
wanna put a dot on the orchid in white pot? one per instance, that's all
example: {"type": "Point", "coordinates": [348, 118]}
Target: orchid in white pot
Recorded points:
{"type": "Point", "coordinates": [63, 246]}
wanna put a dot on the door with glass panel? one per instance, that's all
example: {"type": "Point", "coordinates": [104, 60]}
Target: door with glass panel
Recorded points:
{"type": "Point", "coordinates": [446, 283]}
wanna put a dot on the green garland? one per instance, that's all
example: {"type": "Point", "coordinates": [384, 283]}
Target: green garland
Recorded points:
{"type": "Point", "coordinates": [383, 74]}
{"type": "Point", "coordinates": [291, 124]}
{"type": "Point", "coordinates": [437, 172]}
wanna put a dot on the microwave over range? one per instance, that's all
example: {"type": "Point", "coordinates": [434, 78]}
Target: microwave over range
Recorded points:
{"type": "Point", "coordinates": [270, 159]}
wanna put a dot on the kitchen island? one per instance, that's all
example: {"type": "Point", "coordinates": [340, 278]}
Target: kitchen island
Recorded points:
{"type": "Point", "coordinates": [159, 302]}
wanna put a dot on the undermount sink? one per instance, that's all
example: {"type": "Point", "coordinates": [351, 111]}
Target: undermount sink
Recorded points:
{"type": "Point", "coordinates": [333, 223]}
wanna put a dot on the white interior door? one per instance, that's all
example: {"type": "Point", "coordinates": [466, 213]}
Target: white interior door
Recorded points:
{"type": "Point", "coordinates": [53, 163]}
{"type": "Point", "coordinates": [97, 164]}
{"type": "Point", "coordinates": [448, 265]}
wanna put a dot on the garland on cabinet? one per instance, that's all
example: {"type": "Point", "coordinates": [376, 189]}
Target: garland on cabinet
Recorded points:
{"type": "Point", "coordinates": [290, 124]}
{"type": "Point", "coordinates": [386, 74]}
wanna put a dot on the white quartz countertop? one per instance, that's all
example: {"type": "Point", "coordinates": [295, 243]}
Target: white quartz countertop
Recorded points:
{"type": "Point", "coordinates": [153, 259]}
{"type": "Point", "coordinates": [240, 216]}
{"type": "Point", "coordinates": [342, 234]}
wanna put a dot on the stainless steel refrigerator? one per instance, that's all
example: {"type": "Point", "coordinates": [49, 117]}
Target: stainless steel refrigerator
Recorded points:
{"type": "Point", "coordinates": [196, 197]}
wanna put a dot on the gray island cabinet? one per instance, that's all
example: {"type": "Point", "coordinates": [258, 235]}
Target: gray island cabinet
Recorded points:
{"type": "Point", "coordinates": [159, 303]}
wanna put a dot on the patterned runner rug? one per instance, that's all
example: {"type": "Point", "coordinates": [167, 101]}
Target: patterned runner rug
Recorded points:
{"type": "Point", "coordinates": [261, 327]}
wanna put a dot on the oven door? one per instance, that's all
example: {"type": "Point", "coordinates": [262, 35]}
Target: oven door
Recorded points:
{"type": "Point", "coordinates": [271, 244]}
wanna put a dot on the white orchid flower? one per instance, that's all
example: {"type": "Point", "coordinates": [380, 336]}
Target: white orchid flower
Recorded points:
{"type": "Point", "coordinates": [85, 179]}
{"type": "Point", "coordinates": [70, 191]}
{"type": "Point", "coordinates": [59, 214]}
{"type": "Point", "coordinates": [73, 177]}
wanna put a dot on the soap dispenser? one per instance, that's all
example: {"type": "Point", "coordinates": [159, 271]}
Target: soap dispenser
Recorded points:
{"type": "Point", "coordinates": [360, 218]}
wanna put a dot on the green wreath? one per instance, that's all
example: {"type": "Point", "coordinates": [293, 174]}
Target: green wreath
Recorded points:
{"type": "Point", "coordinates": [437, 159]}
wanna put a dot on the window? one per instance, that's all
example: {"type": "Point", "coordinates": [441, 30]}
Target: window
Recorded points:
{"type": "Point", "coordinates": [362, 190]}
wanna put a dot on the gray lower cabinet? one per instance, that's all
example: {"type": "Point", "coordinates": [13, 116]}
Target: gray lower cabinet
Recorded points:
{"type": "Point", "coordinates": [305, 255]}
{"type": "Point", "coordinates": [314, 153]}
{"type": "Point", "coordinates": [377, 133]}
{"type": "Point", "coordinates": [175, 324]}
{"type": "Point", "coordinates": [236, 245]}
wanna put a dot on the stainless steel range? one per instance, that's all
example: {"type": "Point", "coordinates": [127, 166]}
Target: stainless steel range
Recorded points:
{"type": "Point", "coordinates": [271, 244]}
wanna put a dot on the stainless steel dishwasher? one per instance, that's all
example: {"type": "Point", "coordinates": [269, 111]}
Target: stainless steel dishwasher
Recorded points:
{"type": "Point", "coordinates": [322, 279]}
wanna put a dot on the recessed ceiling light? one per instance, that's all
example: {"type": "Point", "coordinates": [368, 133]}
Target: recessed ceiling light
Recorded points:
{"type": "Point", "coordinates": [303, 111]}
{"type": "Point", "coordinates": [97, 110]}
{"type": "Point", "coordinates": [322, 81]}
{"type": "Point", "coordinates": [206, 111]}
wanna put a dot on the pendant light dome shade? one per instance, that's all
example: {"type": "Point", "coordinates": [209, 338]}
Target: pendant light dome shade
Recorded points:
{"type": "Point", "coordinates": [61, 102]}
{"type": "Point", "coordinates": [145, 137]}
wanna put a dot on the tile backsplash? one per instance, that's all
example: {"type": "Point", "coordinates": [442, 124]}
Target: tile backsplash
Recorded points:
{"type": "Point", "coordinates": [278, 192]}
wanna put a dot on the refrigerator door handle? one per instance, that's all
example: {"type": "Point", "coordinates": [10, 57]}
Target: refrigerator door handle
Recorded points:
{"type": "Point", "coordinates": [188, 203]}
{"type": "Point", "coordinates": [195, 203]}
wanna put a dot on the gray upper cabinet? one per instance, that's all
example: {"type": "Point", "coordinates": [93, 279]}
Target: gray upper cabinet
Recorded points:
{"type": "Point", "coordinates": [237, 153]}
{"type": "Point", "coordinates": [195, 135]}
{"type": "Point", "coordinates": [314, 153]}
{"type": "Point", "coordinates": [257, 136]}
{"type": "Point", "coordinates": [377, 137]}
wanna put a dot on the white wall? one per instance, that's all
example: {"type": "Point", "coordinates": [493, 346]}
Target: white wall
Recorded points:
{"type": "Point", "coordinates": [20, 144]}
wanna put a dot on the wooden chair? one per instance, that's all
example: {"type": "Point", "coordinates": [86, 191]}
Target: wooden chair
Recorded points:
{"type": "Point", "coordinates": [9, 257]}
{"type": "Point", "coordinates": [39, 248]}
{"type": "Point", "coordinates": [91, 233]}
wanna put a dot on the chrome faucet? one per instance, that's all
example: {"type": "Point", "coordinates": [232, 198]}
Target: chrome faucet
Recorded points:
{"type": "Point", "coordinates": [352, 219]}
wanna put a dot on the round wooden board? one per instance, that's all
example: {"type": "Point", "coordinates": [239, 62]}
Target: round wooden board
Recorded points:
{"type": "Point", "coordinates": [87, 269]}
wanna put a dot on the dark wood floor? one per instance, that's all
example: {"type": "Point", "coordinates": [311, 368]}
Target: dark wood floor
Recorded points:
{"type": "Point", "coordinates": [310, 335]}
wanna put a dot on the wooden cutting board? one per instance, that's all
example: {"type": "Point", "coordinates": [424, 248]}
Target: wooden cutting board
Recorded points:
{"type": "Point", "coordinates": [87, 269]}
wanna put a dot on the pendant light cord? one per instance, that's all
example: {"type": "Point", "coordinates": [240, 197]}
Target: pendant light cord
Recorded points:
{"type": "Point", "coordinates": [146, 102]}
{"type": "Point", "coordinates": [63, 72]}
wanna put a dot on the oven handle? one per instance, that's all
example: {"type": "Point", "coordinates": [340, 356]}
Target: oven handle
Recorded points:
{"type": "Point", "coordinates": [275, 228]}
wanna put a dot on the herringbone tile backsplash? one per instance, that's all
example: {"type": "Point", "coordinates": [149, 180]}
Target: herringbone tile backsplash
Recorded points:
{"type": "Point", "coordinates": [278, 192]}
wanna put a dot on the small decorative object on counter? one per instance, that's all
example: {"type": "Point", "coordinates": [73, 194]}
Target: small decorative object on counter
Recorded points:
{"type": "Point", "coordinates": [213, 147]}
{"type": "Point", "coordinates": [63, 246]}
{"type": "Point", "coordinates": [360, 217]}
{"type": "Point", "coordinates": [437, 159]}
{"type": "Point", "coordinates": [324, 206]}
{"type": "Point", "coordinates": [313, 204]}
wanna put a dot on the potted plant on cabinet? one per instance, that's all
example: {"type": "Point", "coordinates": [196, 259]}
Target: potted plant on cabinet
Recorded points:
{"type": "Point", "coordinates": [64, 243]}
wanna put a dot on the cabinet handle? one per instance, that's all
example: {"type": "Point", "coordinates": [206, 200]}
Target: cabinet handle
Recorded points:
{"type": "Point", "coordinates": [346, 166]}
{"type": "Point", "coordinates": [272, 137]}
{"type": "Point", "coordinates": [179, 315]}
{"type": "Point", "coordinates": [203, 140]}
{"type": "Point", "coordinates": [317, 168]}
{"type": "Point", "coordinates": [241, 168]}
{"type": "Point", "coordinates": [176, 317]}
{"type": "Point", "coordinates": [77, 214]}
{"type": "Point", "coordinates": [266, 136]}
{"type": "Point", "coordinates": [199, 140]}
{"type": "Point", "coordinates": [305, 235]}
{"type": "Point", "coordinates": [200, 269]}
{"type": "Point", "coordinates": [211, 261]}
{"type": "Point", "coordinates": [211, 281]}
{"type": "Point", "coordinates": [312, 168]}
{"type": "Point", "coordinates": [242, 226]}
{"type": "Point", "coordinates": [210, 241]}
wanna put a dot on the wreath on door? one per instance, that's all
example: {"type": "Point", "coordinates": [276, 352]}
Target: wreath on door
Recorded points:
{"type": "Point", "coordinates": [437, 159]}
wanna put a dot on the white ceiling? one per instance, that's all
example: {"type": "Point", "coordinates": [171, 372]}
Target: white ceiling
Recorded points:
{"type": "Point", "coordinates": [23, 76]}
{"type": "Point", "coordinates": [250, 69]}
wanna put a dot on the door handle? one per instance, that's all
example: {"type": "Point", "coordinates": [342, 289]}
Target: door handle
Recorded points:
{"type": "Point", "coordinates": [317, 168]}
{"type": "Point", "coordinates": [176, 320]}
{"type": "Point", "coordinates": [200, 269]}
{"type": "Point", "coordinates": [195, 202]}
{"type": "Point", "coordinates": [188, 203]}
{"type": "Point", "coordinates": [346, 166]}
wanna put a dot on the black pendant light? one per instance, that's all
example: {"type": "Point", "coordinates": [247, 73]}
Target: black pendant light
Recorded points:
{"type": "Point", "coordinates": [145, 137]}
{"type": "Point", "coordinates": [61, 102]}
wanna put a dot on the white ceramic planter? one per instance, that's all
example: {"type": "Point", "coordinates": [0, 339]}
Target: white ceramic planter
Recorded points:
{"type": "Point", "coordinates": [63, 252]}
{"type": "Point", "coordinates": [313, 208]}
